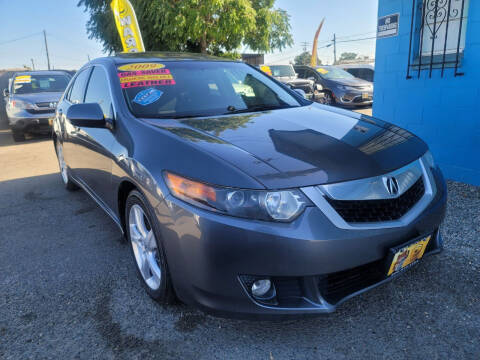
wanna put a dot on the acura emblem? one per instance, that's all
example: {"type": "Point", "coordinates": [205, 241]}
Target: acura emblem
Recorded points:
{"type": "Point", "coordinates": [391, 184]}
{"type": "Point", "coordinates": [52, 105]}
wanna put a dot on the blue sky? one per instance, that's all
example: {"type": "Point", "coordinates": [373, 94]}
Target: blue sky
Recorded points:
{"type": "Point", "coordinates": [69, 45]}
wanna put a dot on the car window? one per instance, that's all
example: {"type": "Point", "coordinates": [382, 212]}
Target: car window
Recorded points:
{"type": "Point", "coordinates": [282, 70]}
{"type": "Point", "coordinates": [36, 83]}
{"type": "Point", "coordinates": [78, 88]}
{"type": "Point", "coordinates": [98, 91]}
{"type": "Point", "coordinates": [332, 73]}
{"type": "Point", "coordinates": [354, 72]}
{"type": "Point", "coordinates": [200, 88]}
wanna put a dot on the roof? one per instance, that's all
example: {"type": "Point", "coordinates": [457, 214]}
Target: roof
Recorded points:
{"type": "Point", "coordinates": [42, 72]}
{"type": "Point", "coordinates": [122, 58]}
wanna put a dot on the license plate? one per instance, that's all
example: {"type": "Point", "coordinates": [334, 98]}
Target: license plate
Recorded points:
{"type": "Point", "coordinates": [407, 255]}
{"type": "Point", "coordinates": [50, 121]}
{"type": "Point", "coordinates": [365, 96]}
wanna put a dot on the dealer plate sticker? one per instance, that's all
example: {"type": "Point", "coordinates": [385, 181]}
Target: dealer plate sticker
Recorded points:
{"type": "Point", "coordinates": [147, 96]}
{"type": "Point", "coordinates": [408, 255]}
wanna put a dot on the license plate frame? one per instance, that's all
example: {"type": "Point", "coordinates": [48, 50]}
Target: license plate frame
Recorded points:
{"type": "Point", "coordinates": [404, 256]}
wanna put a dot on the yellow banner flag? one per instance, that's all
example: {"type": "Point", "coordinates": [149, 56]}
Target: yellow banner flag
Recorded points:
{"type": "Point", "coordinates": [127, 26]}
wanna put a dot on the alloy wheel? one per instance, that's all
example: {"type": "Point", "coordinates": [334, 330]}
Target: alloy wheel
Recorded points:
{"type": "Point", "coordinates": [144, 247]}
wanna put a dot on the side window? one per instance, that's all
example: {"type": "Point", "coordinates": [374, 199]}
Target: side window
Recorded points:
{"type": "Point", "coordinates": [78, 88]}
{"type": "Point", "coordinates": [300, 72]}
{"type": "Point", "coordinates": [98, 91]}
{"type": "Point", "coordinates": [354, 72]}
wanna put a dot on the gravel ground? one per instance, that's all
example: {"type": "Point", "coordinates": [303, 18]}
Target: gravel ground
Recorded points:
{"type": "Point", "coordinates": [68, 289]}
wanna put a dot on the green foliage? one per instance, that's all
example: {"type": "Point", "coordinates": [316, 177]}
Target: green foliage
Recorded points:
{"type": "Point", "coordinates": [348, 56]}
{"type": "Point", "coordinates": [304, 59]}
{"type": "Point", "coordinates": [210, 26]}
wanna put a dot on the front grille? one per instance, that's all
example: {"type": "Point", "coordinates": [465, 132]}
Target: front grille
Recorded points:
{"type": "Point", "coordinates": [364, 211]}
{"type": "Point", "coordinates": [41, 111]}
{"type": "Point", "coordinates": [44, 104]}
{"type": "Point", "coordinates": [335, 286]}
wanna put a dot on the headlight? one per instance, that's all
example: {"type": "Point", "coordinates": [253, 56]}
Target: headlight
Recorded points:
{"type": "Point", "coordinates": [281, 205]}
{"type": "Point", "coordinates": [19, 104]}
{"type": "Point", "coordinates": [428, 159]}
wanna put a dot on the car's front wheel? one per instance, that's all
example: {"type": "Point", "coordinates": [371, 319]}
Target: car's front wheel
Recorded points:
{"type": "Point", "coordinates": [18, 136]}
{"type": "Point", "coordinates": [143, 235]}
{"type": "Point", "coordinates": [69, 184]}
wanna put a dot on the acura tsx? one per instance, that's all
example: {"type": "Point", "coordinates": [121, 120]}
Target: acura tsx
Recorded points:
{"type": "Point", "coordinates": [239, 196]}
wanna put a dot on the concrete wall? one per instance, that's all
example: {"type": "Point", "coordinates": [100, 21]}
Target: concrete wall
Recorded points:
{"type": "Point", "coordinates": [445, 112]}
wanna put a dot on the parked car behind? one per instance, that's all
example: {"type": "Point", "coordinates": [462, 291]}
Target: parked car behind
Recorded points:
{"type": "Point", "coordinates": [286, 75]}
{"type": "Point", "coordinates": [361, 71]}
{"type": "Point", "coordinates": [245, 200]}
{"type": "Point", "coordinates": [339, 86]}
{"type": "Point", "coordinates": [31, 99]}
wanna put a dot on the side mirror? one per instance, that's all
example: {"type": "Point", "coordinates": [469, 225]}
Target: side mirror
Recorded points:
{"type": "Point", "coordinates": [301, 92]}
{"type": "Point", "coordinates": [86, 115]}
{"type": "Point", "coordinates": [5, 92]}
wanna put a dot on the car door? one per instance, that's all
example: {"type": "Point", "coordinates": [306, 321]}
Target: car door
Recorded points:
{"type": "Point", "coordinates": [73, 95]}
{"type": "Point", "coordinates": [94, 145]}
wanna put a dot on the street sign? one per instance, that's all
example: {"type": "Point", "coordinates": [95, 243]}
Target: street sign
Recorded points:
{"type": "Point", "coordinates": [388, 26]}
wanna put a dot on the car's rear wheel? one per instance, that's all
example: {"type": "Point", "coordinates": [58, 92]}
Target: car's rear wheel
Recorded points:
{"type": "Point", "coordinates": [147, 251]}
{"type": "Point", "coordinates": [69, 184]}
{"type": "Point", "coordinates": [18, 136]}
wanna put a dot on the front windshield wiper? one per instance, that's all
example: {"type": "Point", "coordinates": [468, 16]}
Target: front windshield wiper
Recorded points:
{"type": "Point", "coordinates": [263, 107]}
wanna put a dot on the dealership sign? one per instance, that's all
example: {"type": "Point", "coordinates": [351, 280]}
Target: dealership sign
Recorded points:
{"type": "Point", "coordinates": [388, 26]}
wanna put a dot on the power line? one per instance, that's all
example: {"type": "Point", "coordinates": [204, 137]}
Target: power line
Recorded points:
{"type": "Point", "coordinates": [20, 38]}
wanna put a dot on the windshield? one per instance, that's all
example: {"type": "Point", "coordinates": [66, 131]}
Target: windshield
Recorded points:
{"type": "Point", "coordinates": [27, 84]}
{"type": "Point", "coordinates": [282, 70]}
{"type": "Point", "coordinates": [334, 73]}
{"type": "Point", "coordinates": [186, 89]}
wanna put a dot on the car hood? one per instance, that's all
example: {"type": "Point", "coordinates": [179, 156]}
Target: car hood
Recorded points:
{"type": "Point", "coordinates": [351, 82]}
{"type": "Point", "coordinates": [302, 146]}
{"type": "Point", "coordinates": [38, 97]}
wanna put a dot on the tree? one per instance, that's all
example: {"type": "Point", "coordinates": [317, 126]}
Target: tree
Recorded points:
{"type": "Point", "coordinates": [304, 59]}
{"type": "Point", "coordinates": [206, 26]}
{"type": "Point", "coordinates": [348, 56]}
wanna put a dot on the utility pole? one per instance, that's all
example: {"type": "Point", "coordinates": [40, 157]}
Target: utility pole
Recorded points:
{"type": "Point", "coordinates": [46, 48]}
{"type": "Point", "coordinates": [334, 49]}
{"type": "Point", "coordinates": [88, 57]}
{"type": "Point", "coordinates": [304, 45]}
{"type": "Point", "coordinates": [33, 64]}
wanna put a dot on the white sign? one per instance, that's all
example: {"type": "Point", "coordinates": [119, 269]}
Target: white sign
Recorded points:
{"type": "Point", "coordinates": [388, 25]}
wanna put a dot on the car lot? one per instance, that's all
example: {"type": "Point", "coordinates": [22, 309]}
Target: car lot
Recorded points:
{"type": "Point", "coordinates": [68, 288]}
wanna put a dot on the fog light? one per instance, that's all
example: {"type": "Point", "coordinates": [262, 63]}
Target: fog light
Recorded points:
{"type": "Point", "coordinates": [260, 288]}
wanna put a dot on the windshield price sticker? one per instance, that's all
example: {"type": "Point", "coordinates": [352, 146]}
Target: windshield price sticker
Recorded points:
{"type": "Point", "coordinates": [140, 66]}
{"type": "Point", "coordinates": [144, 74]}
{"type": "Point", "coordinates": [144, 83]}
{"type": "Point", "coordinates": [23, 79]}
{"type": "Point", "coordinates": [322, 71]}
{"type": "Point", "coordinates": [266, 69]}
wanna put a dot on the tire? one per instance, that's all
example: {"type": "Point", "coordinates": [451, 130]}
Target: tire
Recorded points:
{"type": "Point", "coordinates": [18, 136]}
{"type": "Point", "coordinates": [64, 171]}
{"type": "Point", "coordinates": [147, 252]}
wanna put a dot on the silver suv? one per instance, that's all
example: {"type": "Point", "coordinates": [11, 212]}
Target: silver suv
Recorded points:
{"type": "Point", "coordinates": [31, 100]}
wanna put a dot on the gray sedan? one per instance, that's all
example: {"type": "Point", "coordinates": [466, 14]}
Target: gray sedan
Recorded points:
{"type": "Point", "coordinates": [239, 196]}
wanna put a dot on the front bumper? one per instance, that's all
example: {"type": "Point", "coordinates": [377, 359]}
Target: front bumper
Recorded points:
{"type": "Point", "coordinates": [354, 98]}
{"type": "Point", "coordinates": [25, 121]}
{"type": "Point", "coordinates": [208, 255]}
